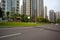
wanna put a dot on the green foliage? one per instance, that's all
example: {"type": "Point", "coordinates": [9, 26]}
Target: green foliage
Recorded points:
{"type": "Point", "coordinates": [42, 20]}
{"type": "Point", "coordinates": [19, 24]}
{"type": "Point", "coordinates": [7, 14]}
{"type": "Point", "coordinates": [24, 18]}
{"type": "Point", "coordinates": [15, 15]}
{"type": "Point", "coordinates": [58, 21]}
{"type": "Point", "coordinates": [1, 12]}
{"type": "Point", "coordinates": [46, 20]}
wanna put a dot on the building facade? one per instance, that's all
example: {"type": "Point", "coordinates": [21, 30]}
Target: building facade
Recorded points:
{"type": "Point", "coordinates": [21, 9]}
{"type": "Point", "coordinates": [52, 16]}
{"type": "Point", "coordinates": [0, 4]}
{"type": "Point", "coordinates": [45, 12]}
{"type": "Point", "coordinates": [33, 8]}
{"type": "Point", "coordinates": [12, 6]}
{"type": "Point", "coordinates": [57, 15]}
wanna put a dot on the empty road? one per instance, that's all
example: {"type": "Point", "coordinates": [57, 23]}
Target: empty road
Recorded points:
{"type": "Point", "coordinates": [31, 33]}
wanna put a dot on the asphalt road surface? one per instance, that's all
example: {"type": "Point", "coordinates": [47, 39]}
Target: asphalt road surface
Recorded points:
{"type": "Point", "coordinates": [30, 33]}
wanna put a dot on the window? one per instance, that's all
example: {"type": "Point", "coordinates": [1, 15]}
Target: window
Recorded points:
{"type": "Point", "coordinates": [3, 1]}
{"type": "Point", "coordinates": [3, 9]}
{"type": "Point", "coordinates": [17, 1]}
{"type": "Point", "coordinates": [17, 10]}
{"type": "Point", "coordinates": [3, 5]}
{"type": "Point", "coordinates": [17, 7]}
{"type": "Point", "coordinates": [17, 4]}
{"type": "Point", "coordinates": [13, 3]}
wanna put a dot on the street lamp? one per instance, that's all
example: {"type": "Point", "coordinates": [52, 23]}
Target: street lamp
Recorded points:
{"type": "Point", "coordinates": [28, 19]}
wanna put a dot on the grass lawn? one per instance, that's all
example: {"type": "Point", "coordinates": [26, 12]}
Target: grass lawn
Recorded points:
{"type": "Point", "coordinates": [19, 24]}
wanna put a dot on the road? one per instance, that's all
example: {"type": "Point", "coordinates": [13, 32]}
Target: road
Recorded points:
{"type": "Point", "coordinates": [30, 33]}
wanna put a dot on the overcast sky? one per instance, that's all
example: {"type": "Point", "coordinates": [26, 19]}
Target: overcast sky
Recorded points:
{"type": "Point", "coordinates": [53, 4]}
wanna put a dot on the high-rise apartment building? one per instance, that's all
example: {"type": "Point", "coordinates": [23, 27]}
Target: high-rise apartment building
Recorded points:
{"type": "Point", "coordinates": [52, 16]}
{"type": "Point", "coordinates": [0, 4]}
{"type": "Point", "coordinates": [12, 6]}
{"type": "Point", "coordinates": [57, 15]}
{"type": "Point", "coordinates": [33, 8]}
{"type": "Point", "coordinates": [45, 12]}
{"type": "Point", "coordinates": [21, 9]}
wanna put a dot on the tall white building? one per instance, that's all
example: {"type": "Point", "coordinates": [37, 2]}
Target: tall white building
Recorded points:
{"type": "Point", "coordinates": [45, 12]}
{"type": "Point", "coordinates": [33, 8]}
{"type": "Point", "coordinates": [52, 16]}
{"type": "Point", "coordinates": [21, 9]}
{"type": "Point", "coordinates": [12, 6]}
{"type": "Point", "coordinates": [57, 15]}
{"type": "Point", "coordinates": [0, 4]}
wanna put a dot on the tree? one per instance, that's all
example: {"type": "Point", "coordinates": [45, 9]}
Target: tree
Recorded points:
{"type": "Point", "coordinates": [24, 18]}
{"type": "Point", "coordinates": [1, 12]}
{"type": "Point", "coordinates": [42, 20]}
{"type": "Point", "coordinates": [58, 21]}
{"type": "Point", "coordinates": [14, 16]}
{"type": "Point", "coordinates": [7, 14]}
{"type": "Point", "coordinates": [39, 19]}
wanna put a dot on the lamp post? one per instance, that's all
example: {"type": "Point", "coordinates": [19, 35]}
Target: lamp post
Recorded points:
{"type": "Point", "coordinates": [28, 19]}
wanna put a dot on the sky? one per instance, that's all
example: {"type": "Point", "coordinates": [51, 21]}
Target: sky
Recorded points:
{"type": "Point", "coordinates": [53, 4]}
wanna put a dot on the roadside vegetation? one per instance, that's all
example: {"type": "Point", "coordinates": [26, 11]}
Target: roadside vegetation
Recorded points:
{"type": "Point", "coordinates": [19, 24]}
{"type": "Point", "coordinates": [21, 20]}
{"type": "Point", "coordinates": [58, 21]}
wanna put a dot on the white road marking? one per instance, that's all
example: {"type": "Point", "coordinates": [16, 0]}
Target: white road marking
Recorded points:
{"type": "Point", "coordinates": [10, 35]}
{"type": "Point", "coordinates": [14, 28]}
{"type": "Point", "coordinates": [41, 29]}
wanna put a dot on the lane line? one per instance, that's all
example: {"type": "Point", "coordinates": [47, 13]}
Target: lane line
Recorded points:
{"type": "Point", "coordinates": [10, 35]}
{"type": "Point", "coordinates": [41, 29]}
{"type": "Point", "coordinates": [14, 28]}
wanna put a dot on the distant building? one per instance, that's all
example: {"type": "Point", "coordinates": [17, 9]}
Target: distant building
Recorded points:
{"type": "Point", "coordinates": [45, 12]}
{"type": "Point", "coordinates": [33, 8]}
{"type": "Point", "coordinates": [57, 15]}
{"type": "Point", "coordinates": [52, 16]}
{"type": "Point", "coordinates": [12, 6]}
